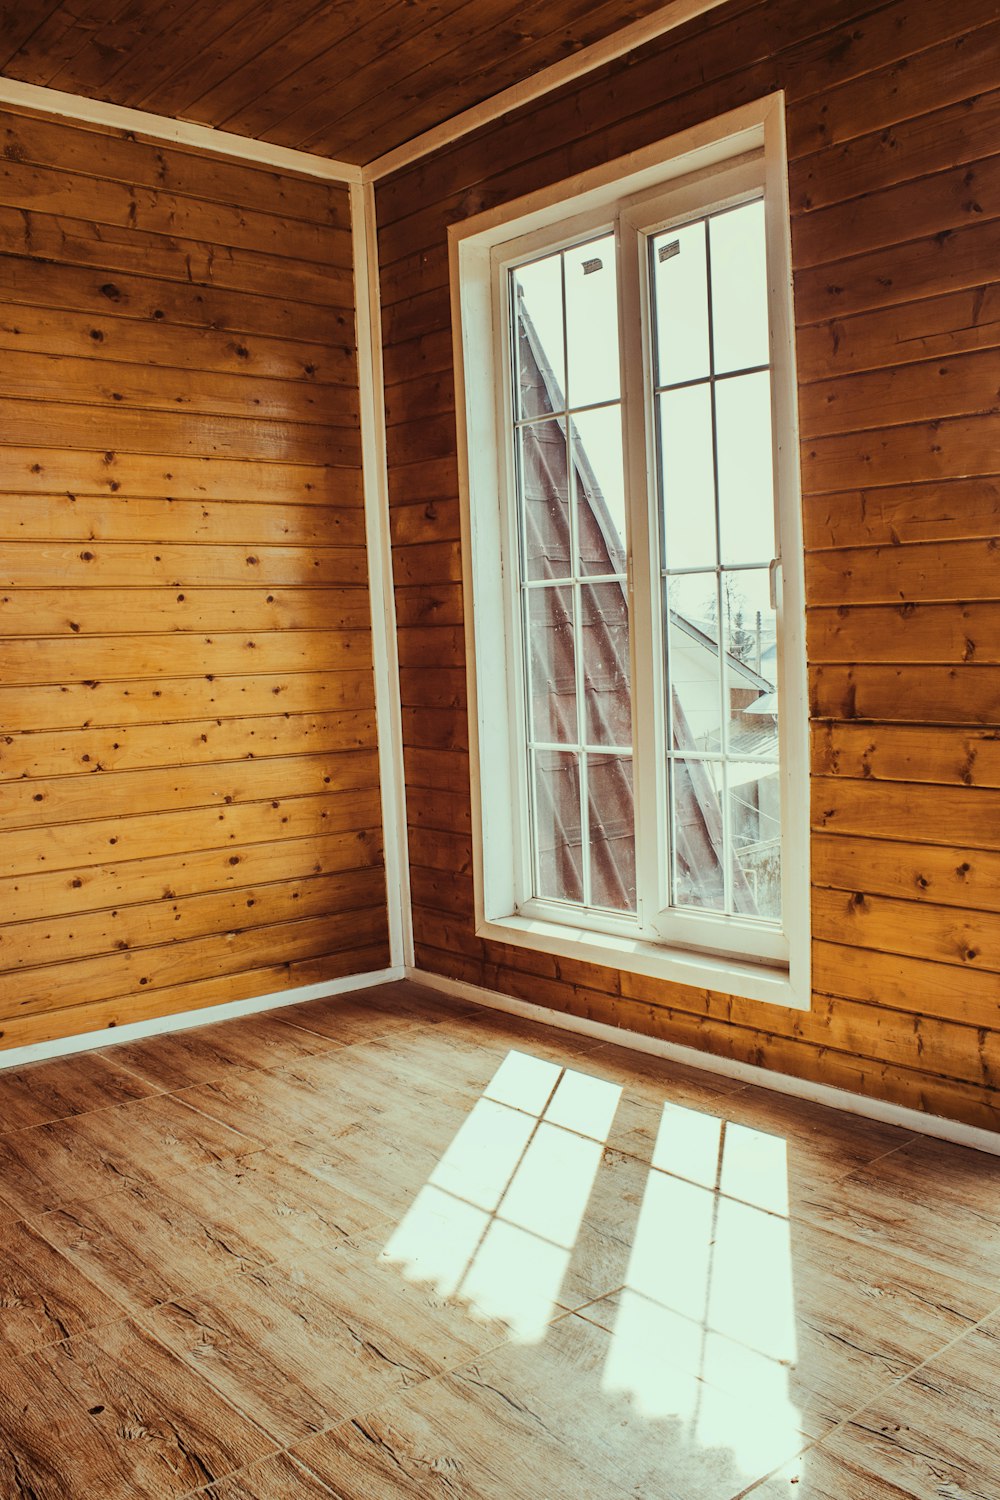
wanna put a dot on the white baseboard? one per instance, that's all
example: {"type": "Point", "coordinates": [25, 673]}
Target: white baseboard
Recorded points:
{"type": "Point", "coordinates": [782, 1083]}
{"type": "Point", "coordinates": [137, 1031]}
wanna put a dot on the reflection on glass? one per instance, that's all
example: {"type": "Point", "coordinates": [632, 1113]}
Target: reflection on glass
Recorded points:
{"type": "Point", "coordinates": [680, 304]}
{"type": "Point", "coordinates": [750, 635]}
{"type": "Point", "coordinates": [537, 291]}
{"type": "Point", "coordinates": [739, 288]}
{"type": "Point", "coordinates": [545, 517]}
{"type": "Point", "coordinates": [687, 477]}
{"type": "Point", "coordinates": [605, 647]}
{"type": "Point", "coordinates": [697, 843]}
{"type": "Point", "coordinates": [592, 322]}
{"type": "Point", "coordinates": [752, 742]}
{"type": "Point", "coordinates": [612, 832]}
{"type": "Point", "coordinates": [553, 670]}
{"type": "Point", "coordinates": [746, 478]}
{"type": "Point", "coordinates": [558, 837]}
{"type": "Point", "coordinates": [755, 819]}
{"type": "Point", "coordinates": [596, 439]}
{"type": "Point", "coordinates": [693, 662]}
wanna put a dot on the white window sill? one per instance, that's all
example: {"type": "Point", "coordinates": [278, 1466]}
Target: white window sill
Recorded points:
{"type": "Point", "coordinates": [775, 984]}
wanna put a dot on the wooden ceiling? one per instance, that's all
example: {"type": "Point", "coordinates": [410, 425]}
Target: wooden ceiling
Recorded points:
{"type": "Point", "coordinates": [348, 79]}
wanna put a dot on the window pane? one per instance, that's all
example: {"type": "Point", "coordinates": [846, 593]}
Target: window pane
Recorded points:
{"type": "Point", "coordinates": [751, 664]}
{"type": "Point", "coordinates": [697, 834]}
{"type": "Point", "coordinates": [746, 478]}
{"type": "Point", "coordinates": [592, 322]}
{"type": "Point", "coordinates": [606, 674]}
{"type": "Point", "coordinates": [687, 478]}
{"type": "Point", "coordinates": [755, 820]}
{"type": "Point", "coordinates": [596, 438]}
{"type": "Point", "coordinates": [695, 689]}
{"type": "Point", "coordinates": [537, 315]}
{"type": "Point", "coordinates": [553, 664]}
{"type": "Point", "coordinates": [739, 288]}
{"type": "Point", "coordinates": [612, 832]}
{"type": "Point", "coordinates": [680, 304]}
{"type": "Point", "coordinates": [544, 491]}
{"type": "Point", "coordinates": [558, 842]}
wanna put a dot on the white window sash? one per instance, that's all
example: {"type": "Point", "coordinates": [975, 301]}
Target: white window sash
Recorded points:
{"type": "Point", "coordinates": [721, 162]}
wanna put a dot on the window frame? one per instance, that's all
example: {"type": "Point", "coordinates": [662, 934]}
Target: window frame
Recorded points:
{"type": "Point", "coordinates": [728, 159]}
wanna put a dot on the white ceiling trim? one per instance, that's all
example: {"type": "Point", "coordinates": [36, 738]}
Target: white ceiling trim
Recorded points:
{"type": "Point", "coordinates": [175, 132]}
{"type": "Point", "coordinates": [569, 68]}
{"type": "Point", "coordinates": [284, 159]}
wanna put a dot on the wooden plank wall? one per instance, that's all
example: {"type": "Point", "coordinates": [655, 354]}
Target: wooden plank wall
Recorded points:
{"type": "Point", "coordinates": [188, 774]}
{"type": "Point", "coordinates": [893, 112]}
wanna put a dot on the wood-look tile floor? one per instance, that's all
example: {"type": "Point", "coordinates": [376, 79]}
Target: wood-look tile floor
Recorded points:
{"type": "Point", "coordinates": [386, 1246]}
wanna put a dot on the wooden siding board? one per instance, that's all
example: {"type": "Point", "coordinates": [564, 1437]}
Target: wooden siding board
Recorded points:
{"type": "Point", "coordinates": [189, 778]}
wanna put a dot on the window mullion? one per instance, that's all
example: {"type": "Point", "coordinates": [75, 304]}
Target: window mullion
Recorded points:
{"type": "Point", "coordinates": [639, 449]}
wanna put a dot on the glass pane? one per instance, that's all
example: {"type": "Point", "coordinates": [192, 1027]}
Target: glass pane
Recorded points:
{"type": "Point", "coordinates": [544, 499]}
{"type": "Point", "coordinates": [596, 438]}
{"type": "Point", "coordinates": [739, 288]}
{"type": "Point", "coordinates": [746, 478]}
{"type": "Point", "coordinates": [680, 303]}
{"type": "Point", "coordinates": [755, 821]}
{"type": "Point", "coordinates": [606, 676]}
{"type": "Point", "coordinates": [751, 664]}
{"type": "Point", "coordinates": [553, 665]}
{"type": "Point", "coordinates": [537, 315]}
{"type": "Point", "coordinates": [612, 832]}
{"type": "Point", "coordinates": [558, 840]}
{"type": "Point", "coordinates": [592, 322]}
{"type": "Point", "coordinates": [697, 834]}
{"type": "Point", "coordinates": [687, 481]}
{"type": "Point", "coordinates": [695, 697]}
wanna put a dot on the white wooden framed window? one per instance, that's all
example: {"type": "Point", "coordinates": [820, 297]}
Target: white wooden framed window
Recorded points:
{"type": "Point", "coordinates": [633, 559]}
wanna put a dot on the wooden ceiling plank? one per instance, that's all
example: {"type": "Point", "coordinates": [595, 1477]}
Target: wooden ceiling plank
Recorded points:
{"type": "Point", "coordinates": [447, 83]}
{"type": "Point", "coordinates": [34, 32]}
{"type": "Point", "coordinates": [248, 32]}
{"type": "Point", "coordinates": [469, 22]}
{"type": "Point", "coordinates": [176, 50]}
{"type": "Point", "coordinates": [325, 75]}
{"type": "Point", "coordinates": [114, 34]}
{"type": "Point", "coordinates": [318, 34]}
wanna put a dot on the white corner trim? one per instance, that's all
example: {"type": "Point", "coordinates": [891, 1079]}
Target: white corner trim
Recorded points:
{"type": "Point", "coordinates": [647, 29]}
{"type": "Point", "coordinates": [385, 655]}
{"type": "Point", "coordinates": [782, 1083]}
{"type": "Point", "coordinates": [137, 1031]}
{"type": "Point", "coordinates": [177, 132]}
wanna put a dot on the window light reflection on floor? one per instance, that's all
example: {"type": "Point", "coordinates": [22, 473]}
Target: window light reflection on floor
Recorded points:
{"type": "Point", "coordinates": [497, 1222]}
{"type": "Point", "coordinates": [703, 1330]}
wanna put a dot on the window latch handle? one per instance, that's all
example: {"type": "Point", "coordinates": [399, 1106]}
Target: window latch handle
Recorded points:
{"type": "Point", "coordinates": [773, 569]}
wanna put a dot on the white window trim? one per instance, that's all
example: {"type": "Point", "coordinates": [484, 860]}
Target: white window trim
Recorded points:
{"type": "Point", "coordinates": [491, 625]}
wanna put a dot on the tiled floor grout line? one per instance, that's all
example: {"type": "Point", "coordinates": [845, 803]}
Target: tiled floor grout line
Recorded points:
{"type": "Point", "coordinates": [873, 1399]}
